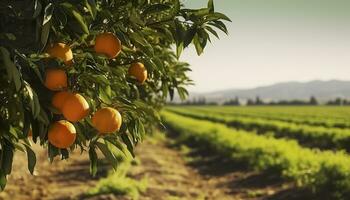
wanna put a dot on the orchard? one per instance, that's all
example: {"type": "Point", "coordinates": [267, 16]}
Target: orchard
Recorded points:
{"type": "Point", "coordinates": [92, 75]}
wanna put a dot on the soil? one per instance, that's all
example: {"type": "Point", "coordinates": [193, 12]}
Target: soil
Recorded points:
{"type": "Point", "coordinates": [62, 179]}
{"type": "Point", "coordinates": [171, 174]}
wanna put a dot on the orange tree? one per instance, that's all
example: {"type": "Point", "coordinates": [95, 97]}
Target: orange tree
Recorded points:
{"type": "Point", "coordinates": [91, 74]}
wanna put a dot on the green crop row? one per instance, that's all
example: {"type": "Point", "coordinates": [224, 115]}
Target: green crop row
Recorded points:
{"type": "Point", "coordinates": [332, 112]}
{"type": "Point", "coordinates": [311, 136]}
{"type": "Point", "coordinates": [276, 114]}
{"type": "Point", "coordinates": [323, 172]}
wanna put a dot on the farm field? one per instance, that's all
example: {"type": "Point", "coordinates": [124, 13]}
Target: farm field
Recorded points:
{"type": "Point", "coordinates": [165, 168]}
{"type": "Point", "coordinates": [283, 141]}
{"type": "Point", "coordinates": [201, 154]}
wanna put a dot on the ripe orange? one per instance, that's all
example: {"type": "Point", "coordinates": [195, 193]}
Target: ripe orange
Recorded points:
{"type": "Point", "coordinates": [75, 108]}
{"type": "Point", "coordinates": [56, 79]}
{"type": "Point", "coordinates": [62, 52]}
{"type": "Point", "coordinates": [138, 71]}
{"type": "Point", "coordinates": [59, 99]}
{"type": "Point", "coordinates": [108, 44]}
{"type": "Point", "coordinates": [62, 134]}
{"type": "Point", "coordinates": [107, 120]}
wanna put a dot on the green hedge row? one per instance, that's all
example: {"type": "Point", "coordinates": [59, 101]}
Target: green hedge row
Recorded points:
{"type": "Point", "coordinates": [326, 121]}
{"type": "Point", "coordinates": [311, 136]}
{"type": "Point", "coordinates": [324, 172]}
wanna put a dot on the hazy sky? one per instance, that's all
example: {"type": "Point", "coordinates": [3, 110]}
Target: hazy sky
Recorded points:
{"type": "Point", "coordinates": [274, 41]}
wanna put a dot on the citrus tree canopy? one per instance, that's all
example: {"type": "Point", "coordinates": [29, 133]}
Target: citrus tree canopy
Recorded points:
{"type": "Point", "coordinates": [91, 74]}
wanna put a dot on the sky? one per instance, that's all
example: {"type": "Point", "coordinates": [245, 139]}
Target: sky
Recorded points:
{"type": "Point", "coordinates": [274, 41]}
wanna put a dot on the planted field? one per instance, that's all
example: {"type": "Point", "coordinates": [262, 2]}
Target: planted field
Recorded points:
{"type": "Point", "coordinates": [319, 116]}
{"type": "Point", "coordinates": [295, 152]}
{"type": "Point", "coordinates": [307, 135]}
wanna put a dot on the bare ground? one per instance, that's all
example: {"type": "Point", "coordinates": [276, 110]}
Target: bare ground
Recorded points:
{"type": "Point", "coordinates": [63, 179]}
{"type": "Point", "coordinates": [171, 174]}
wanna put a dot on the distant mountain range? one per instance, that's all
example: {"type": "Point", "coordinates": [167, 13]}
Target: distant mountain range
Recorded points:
{"type": "Point", "coordinates": [322, 90]}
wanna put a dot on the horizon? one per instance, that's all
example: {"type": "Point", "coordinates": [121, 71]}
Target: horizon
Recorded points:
{"type": "Point", "coordinates": [274, 41]}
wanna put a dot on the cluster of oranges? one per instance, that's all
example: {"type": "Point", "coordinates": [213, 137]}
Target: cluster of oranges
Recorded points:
{"type": "Point", "coordinates": [73, 106]}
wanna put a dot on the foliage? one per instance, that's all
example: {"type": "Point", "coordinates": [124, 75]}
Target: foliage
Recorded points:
{"type": "Point", "coordinates": [260, 102]}
{"type": "Point", "coordinates": [153, 32]}
{"type": "Point", "coordinates": [326, 173]}
{"type": "Point", "coordinates": [311, 136]}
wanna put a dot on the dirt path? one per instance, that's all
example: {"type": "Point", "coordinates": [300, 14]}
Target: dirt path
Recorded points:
{"type": "Point", "coordinates": [171, 175]}
{"type": "Point", "coordinates": [174, 174]}
{"type": "Point", "coordinates": [170, 178]}
{"type": "Point", "coordinates": [59, 180]}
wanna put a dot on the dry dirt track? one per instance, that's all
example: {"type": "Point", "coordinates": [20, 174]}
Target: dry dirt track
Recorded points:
{"type": "Point", "coordinates": [59, 180]}
{"type": "Point", "coordinates": [170, 177]}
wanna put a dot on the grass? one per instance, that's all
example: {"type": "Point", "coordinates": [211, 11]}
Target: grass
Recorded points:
{"type": "Point", "coordinates": [117, 182]}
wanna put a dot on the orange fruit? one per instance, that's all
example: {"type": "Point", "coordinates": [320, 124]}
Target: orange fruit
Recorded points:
{"type": "Point", "coordinates": [59, 99]}
{"type": "Point", "coordinates": [56, 79]}
{"type": "Point", "coordinates": [138, 71]}
{"type": "Point", "coordinates": [108, 44]}
{"type": "Point", "coordinates": [75, 108]}
{"type": "Point", "coordinates": [62, 52]}
{"type": "Point", "coordinates": [62, 134]}
{"type": "Point", "coordinates": [107, 120]}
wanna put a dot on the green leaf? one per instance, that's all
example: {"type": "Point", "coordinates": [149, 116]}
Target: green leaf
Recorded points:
{"type": "Point", "coordinates": [216, 16]}
{"type": "Point", "coordinates": [7, 158]}
{"type": "Point", "coordinates": [128, 143]}
{"type": "Point", "coordinates": [46, 25]}
{"type": "Point", "coordinates": [212, 31]}
{"type": "Point", "coordinates": [93, 161]}
{"type": "Point", "coordinates": [103, 95]}
{"type": "Point", "coordinates": [34, 103]}
{"type": "Point", "coordinates": [171, 93]}
{"type": "Point", "coordinates": [135, 18]}
{"type": "Point", "coordinates": [195, 14]}
{"type": "Point", "coordinates": [45, 31]}
{"type": "Point", "coordinates": [182, 93]}
{"type": "Point", "coordinates": [155, 8]}
{"type": "Point", "coordinates": [75, 13]}
{"type": "Point", "coordinates": [11, 68]}
{"type": "Point", "coordinates": [3, 180]}
{"type": "Point", "coordinates": [122, 147]}
{"type": "Point", "coordinates": [42, 117]}
{"type": "Point", "coordinates": [31, 158]}
{"type": "Point", "coordinates": [179, 49]}
{"type": "Point", "coordinates": [197, 44]}
{"type": "Point", "coordinates": [52, 152]}
{"type": "Point", "coordinates": [211, 6]}
{"type": "Point", "coordinates": [37, 9]}
{"type": "Point", "coordinates": [136, 37]}
{"type": "Point", "coordinates": [159, 64]}
{"type": "Point", "coordinates": [48, 13]}
{"type": "Point", "coordinates": [108, 154]}
{"type": "Point", "coordinates": [64, 154]}
{"type": "Point", "coordinates": [190, 33]}
{"type": "Point", "coordinates": [26, 124]}
{"type": "Point", "coordinates": [220, 25]}
{"type": "Point", "coordinates": [91, 6]}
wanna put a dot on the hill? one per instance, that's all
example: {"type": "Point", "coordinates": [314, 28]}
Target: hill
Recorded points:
{"type": "Point", "coordinates": [322, 90]}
